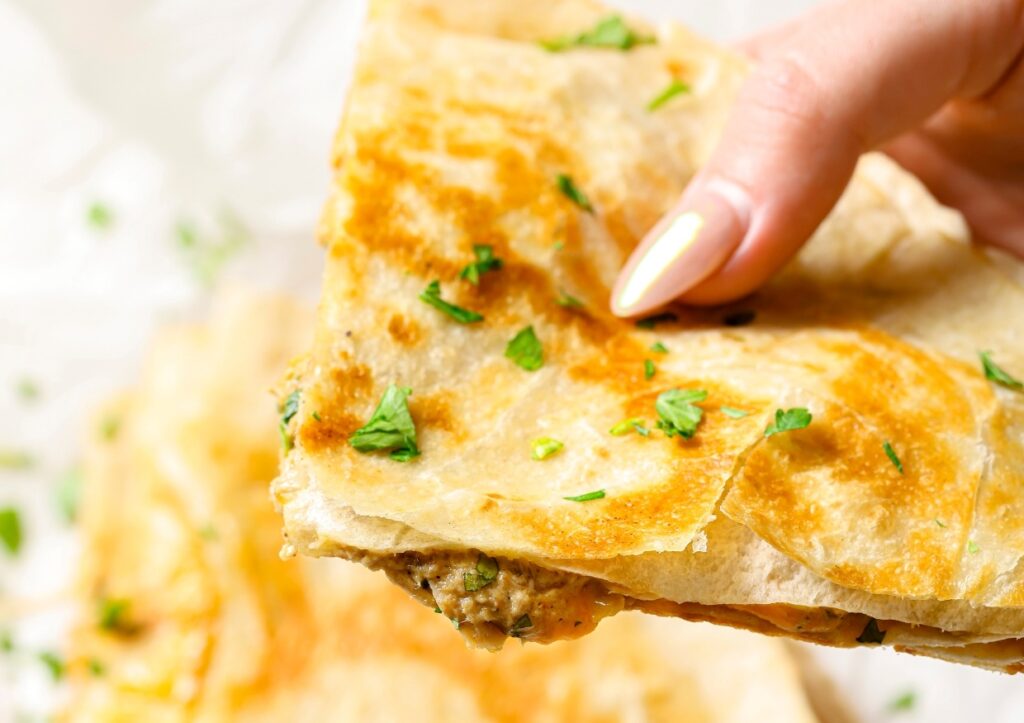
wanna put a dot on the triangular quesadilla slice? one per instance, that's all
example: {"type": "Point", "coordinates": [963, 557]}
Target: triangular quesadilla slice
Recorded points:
{"type": "Point", "coordinates": [832, 459]}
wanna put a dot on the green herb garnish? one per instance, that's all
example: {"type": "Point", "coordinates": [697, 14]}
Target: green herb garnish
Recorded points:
{"type": "Point", "coordinates": [893, 457]}
{"type": "Point", "coordinates": [113, 616]}
{"type": "Point", "coordinates": [995, 373]}
{"type": "Point", "coordinates": [903, 703]}
{"type": "Point", "coordinates": [649, 369]}
{"type": "Point", "coordinates": [485, 261]}
{"type": "Point", "coordinates": [972, 547]}
{"type": "Point", "coordinates": [636, 424]}
{"type": "Point", "coordinates": [15, 459]}
{"type": "Point", "coordinates": [649, 322]}
{"type": "Point", "coordinates": [290, 407]}
{"type": "Point", "coordinates": [677, 412]}
{"type": "Point", "coordinates": [734, 413]}
{"type": "Point", "coordinates": [610, 32]}
{"type": "Point", "coordinates": [940, 523]}
{"type": "Point", "coordinates": [6, 641]}
{"type": "Point", "coordinates": [10, 530]}
{"type": "Point", "coordinates": [109, 428]}
{"type": "Point", "coordinates": [789, 420]}
{"type": "Point", "coordinates": [676, 87]}
{"type": "Point", "coordinates": [206, 254]}
{"type": "Point", "coordinates": [484, 574]}
{"type": "Point", "coordinates": [96, 668]}
{"type": "Point", "coordinates": [659, 347]}
{"type": "Point", "coordinates": [574, 194]}
{"type": "Point", "coordinates": [27, 390]}
{"type": "Point", "coordinates": [53, 663]}
{"type": "Point", "coordinates": [432, 295]}
{"type": "Point", "coordinates": [871, 634]}
{"type": "Point", "coordinates": [390, 427]}
{"type": "Point", "coordinates": [544, 447]}
{"type": "Point", "coordinates": [568, 301]}
{"type": "Point", "coordinates": [316, 415]}
{"type": "Point", "coordinates": [587, 497]}
{"type": "Point", "coordinates": [69, 494]}
{"type": "Point", "coordinates": [525, 350]}
{"type": "Point", "coordinates": [99, 215]}
{"type": "Point", "coordinates": [522, 623]}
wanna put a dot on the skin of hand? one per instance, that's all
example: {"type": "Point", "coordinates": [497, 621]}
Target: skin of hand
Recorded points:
{"type": "Point", "coordinates": [936, 84]}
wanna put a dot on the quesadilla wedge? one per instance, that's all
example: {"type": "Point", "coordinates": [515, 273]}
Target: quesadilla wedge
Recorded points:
{"type": "Point", "coordinates": [190, 616]}
{"type": "Point", "coordinates": [838, 458]}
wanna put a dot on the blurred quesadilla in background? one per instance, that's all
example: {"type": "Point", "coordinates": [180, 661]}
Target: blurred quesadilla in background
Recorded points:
{"type": "Point", "coordinates": [190, 615]}
{"type": "Point", "coordinates": [838, 459]}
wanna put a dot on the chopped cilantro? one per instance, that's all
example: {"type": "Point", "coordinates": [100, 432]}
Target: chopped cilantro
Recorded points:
{"type": "Point", "coordinates": [290, 407]}
{"type": "Point", "coordinates": [96, 668]}
{"type": "Point", "coordinates": [649, 369]}
{"type": "Point", "coordinates": [734, 413]}
{"type": "Point", "coordinates": [10, 530]}
{"type": "Point", "coordinates": [587, 497]}
{"type": "Point", "coordinates": [659, 347]}
{"type": "Point", "coordinates": [99, 215]}
{"type": "Point", "coordinates": [871, 634]}
{"type": "Point", "coordinates": [27, 390]}
{"type": "Point", "coordinates": [635, 424]}
{"type": "Point", "coordinates": [995, 373]}
{"type": "Point", "coordinates": [485, 572]}
{"type": "Point", "coordinates": [69, 494]}
{"type": "Point", "coordinates": [316, 415]}
{"type": "Point", "coordinates": [208, 532]}
{"type": "Point", "coordinates": [574, 194]}
{"type": "Point", "coordinates": [940, 523]}
{"type": "Point", "coordinates": [740, 318]}
{"type": "Point", "coordinates": [650, 322]}
{"type": "Point", "coordinates": [678, 415]}
{"type": "Point", "coordinates": [109, 427]}
{"type": "Point", "coordinates": [113, 615]}
{"type": "Point", "coordinates": [6, 641]}
{"type": "Point", "coordinates": [789, 420]}
{"type": "Point", "coordinates": [525, 350]}
{"type": "Point", "coordinates": [972, 547]}
{"type": "Point", "coordinates": [15, 459]}
{"type": "Point", "coordinates": [676, 87]}
{"type": "Point", "coordinates": [522, 623]}
{"type": "Point", "coordinates": [53, 663]}
{"type": "Point", "coordinates": [568, 301]}
{"type": "Point", "coordinates": [390, 427]}
{"type": "Point", "coordinates": [544, 447]}
{"type": "Point", "coordinates": [903, 702]}
{"type": "Point", "coordinates": [485, 261]}
{"type": "Point", "coordinates": [610, 32]}
{"type": "Point", "coordinates": [432, 295]}
{"type": "Point", "coordinates": [893, 457]}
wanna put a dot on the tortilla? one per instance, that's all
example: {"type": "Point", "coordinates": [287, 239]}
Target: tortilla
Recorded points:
{"type": "Point", "coordinates": [900, 502]}
{"type": "Point", "coordinates": [177, 527]}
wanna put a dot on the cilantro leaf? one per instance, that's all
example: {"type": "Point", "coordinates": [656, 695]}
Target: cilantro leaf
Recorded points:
{"type": "Point", "coordinates": [734, 413]}
{"type": "Point", "coordinates": [110, 426]}
{"type": "Point", "coordinates": [522, 623]}
{"type": "Point", "coordinates": [568, 301]}
{"type": "Point", "coordinates": [972, 547]}
{"type": "Point", "coordinates": [649, 369]}
{"type": "Point", "coordinates": [113, 616]}
{"type": "Point", "coordinates": [902, 703]}
{"type": "Point", "coordinates": [678, 415]}
{"type": "Point", "coordinates": [485, 261]}
{"type": "Point", "coordinates": [69, 493]}
{"type": "Point", "coordinates": [871, 634]}
{"type": "Point", "coordinates": [659, 347]}
{"type": "Point", "coordinates": [544, 447]}
{"type": "Point", "coordinates": [610, 32]}
{"type": "Point", "coordinates": [27, 390]}
{"type": "Point", "coordinates": [789, 420]}
{"type": "Point", "coordinates": [99, 215]}
{"type": "Point", "coordinates": [995, 373]}
{"type": "Point", "coordinates": [485, 572]}
{"type": "Point", "coordinates": [574, 194]}
{"type": "Point", "coordinates": [587, 497]}
{"type": "Point", "coordinates": [390, 427]}
{"type": "Point", "coordinates": [676, 87]}
{"type": "Point", "coordinates": [53, 663]}
{"type": "Point", "coordinates": [893, 457]}
{"type": "Point", "coordinates": [290, 407]}
{"type": "Point", "coordinates": [10, 530]}
{"type": "Point", "coordinates": [432, 295]}
{"type": "Point", "coordinates": [635, 424]}
{"type": "Point", "coordinates": [525, 350]}
{"type": "Point", "coordinates": [15, 459]}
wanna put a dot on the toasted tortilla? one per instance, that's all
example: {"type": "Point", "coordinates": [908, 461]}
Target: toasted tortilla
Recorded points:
{"type": "Point", "coordinates": [457, 127]}
{"type": "Point", "coordinates": [177, 526]}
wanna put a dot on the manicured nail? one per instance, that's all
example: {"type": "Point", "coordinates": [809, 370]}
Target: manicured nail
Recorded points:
{"type": "Point", "coordinates": [684, 248]}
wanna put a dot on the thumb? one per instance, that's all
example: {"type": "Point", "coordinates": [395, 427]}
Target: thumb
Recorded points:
{"type": "Point", "coordinates": [837, 83]}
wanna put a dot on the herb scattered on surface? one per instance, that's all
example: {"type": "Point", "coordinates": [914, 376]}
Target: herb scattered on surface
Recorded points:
{"type": "Point", "coordinates": [610, 32]}
{"type": "Point", "coordinates": [678, 413]}
{"type": "Point", "coordinates": [544, 447]}
{"type": "Point", "coordinates": [485, 261]}
{"type": "Point", "coordinates": [96, 668]}
{"type": "Point", "coordinates": [53, 663]}
{"type": "Point", "coordinates": [573, 193]}
{"type": "Point", "coordinates": [995, 373]}
{"type": "Point", "coordinates": [734, 413]}
{"type": "Point", "coordinates": [893, 457]}
{"type": "Point", "coordinates": [788, 421]}
{"type": "Point", "coordinates": [485, 572]}
{"type": "Point", "coordinates": [521, 624]}
{"type": "Point", "coordinates": [903, 703]}
{"type": "Point", "coordinates": [10, 530]}
{"type": "Point", "coordinates": [972, 547]}
{"type": "Point", "coordinates": [676, 87]}
{"type": "Point", "coordinates": [940, 523]}
{"type": "Point", "coordinates": [109, 428]}
{"type": "Point", "coordinates": [587, 497]}
{"type": "Point", "coordinates": [15, 459]}
{"type": "Point", "coordinates": [659, 347]}
{"type": "Point", "coordinates": [525, 350]}
{"type": "Point", "coordinates": [635, 424]}
{"type": "Point", "coordinates": [390, 427]}
{"type": "Point", "coordinates": [432, 296]}
{"type": "Point", "coordinates": [568, 301]}
{"type": "Point", "coordinates": [649, 369]}
{"type": "Point", "coordinates": [113, 615]}
{"type": "Point", "coordinates": [27, 390]}
{"type": "Point", "coordinates": [99, 215]}
{"type": "Point", "coordinates": [206, 254]}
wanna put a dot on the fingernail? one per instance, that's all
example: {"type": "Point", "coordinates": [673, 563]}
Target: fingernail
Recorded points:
{"type": "Point", "coordinates": [685, 248]}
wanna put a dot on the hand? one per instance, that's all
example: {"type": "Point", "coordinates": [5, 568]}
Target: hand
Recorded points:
{"type": "Point", "coordinates": [937, 84]}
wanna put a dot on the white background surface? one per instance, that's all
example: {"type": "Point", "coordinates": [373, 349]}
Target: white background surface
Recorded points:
{"type": "Point", "coordinates": [170, 110]}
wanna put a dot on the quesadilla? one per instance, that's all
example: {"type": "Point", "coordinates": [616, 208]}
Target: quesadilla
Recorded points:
{"type": "Point", "coordinates": [190, 616]}
{"type": "Point", "coordinates": [838, 458]}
